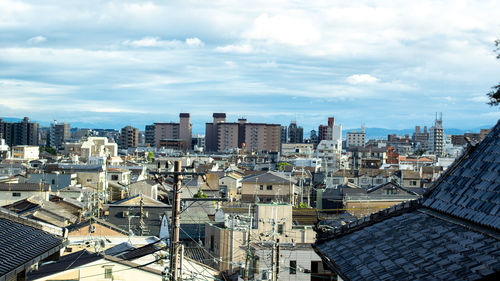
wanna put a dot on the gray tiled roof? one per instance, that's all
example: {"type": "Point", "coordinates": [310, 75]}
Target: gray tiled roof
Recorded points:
{"type": "Point", "coordinates": [20, 244]}
{"type": "Point", "coordinates": [472, 191]}
{"type": "Point", "coordinates": [398, 249]}
{"type": "Point", "coordinates": [268, 177]}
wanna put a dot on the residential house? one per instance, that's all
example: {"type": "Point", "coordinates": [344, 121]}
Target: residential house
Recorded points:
{"type": "Point", "coordinates": [297, 262]}
{"type": "Point", "coordinates": [12, 192]}
{"type": "Point", "coordinates": [226, 238]}
{"type": "Point", "coordinates": [140, 214]}
{"type": "Point", "coordinates": [269, 187]}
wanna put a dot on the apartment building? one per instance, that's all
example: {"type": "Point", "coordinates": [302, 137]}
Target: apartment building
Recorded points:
{"type": "Point", "coordinates": [157, 132]}
{"type": "Point", "coordinates": [20, 133]}
{"type": "Point", "coordinates": [129, 137]}
{"type": "Point", "coordinates": [59, 133]}
{"type": "Point", "coordinates": [436, 137]}
{"type": "Point", "coordinates": [251, 137]}
{"type": "Point", "coordinates": [356, 139]}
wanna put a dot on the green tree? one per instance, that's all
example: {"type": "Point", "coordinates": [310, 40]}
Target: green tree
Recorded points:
{"type": "Point", "coordinates": [200, 194]}
{"type": "Point", "coordinates": [494, 94]}
{"type": "Point", "coordinates": [48, 149]}
{"type": "Point", "coordinates": [150, 157]}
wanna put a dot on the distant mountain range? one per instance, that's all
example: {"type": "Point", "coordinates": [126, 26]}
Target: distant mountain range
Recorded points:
{"type": "Point", "coordinates": [381, 133]}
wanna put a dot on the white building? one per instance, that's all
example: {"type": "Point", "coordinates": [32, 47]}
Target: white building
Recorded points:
{"type": "Point", "coordinates": [356, 138]}
{"type": "Point", "coordinates": [4, 150]}
{"type": "Point", "coordinates": [92, 147]}
{"type": "Point", "coordinates": [329, 151]}
{"type": "Point", "coordinates": [25, 152]}
{"type": "Point", "coordinates": [436, 137]}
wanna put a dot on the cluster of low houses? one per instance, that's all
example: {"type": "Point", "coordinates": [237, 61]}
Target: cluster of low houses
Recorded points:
{"type": "Point", "coordinates": [92, 214]}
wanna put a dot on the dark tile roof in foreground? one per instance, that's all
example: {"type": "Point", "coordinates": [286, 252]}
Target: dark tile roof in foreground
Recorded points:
{"type": "Point", "coordinates": [23, 242]}
{"type": "Point", "coordinates": [453, 232]}
{"type": "Point", "coordinates": [66, 262]}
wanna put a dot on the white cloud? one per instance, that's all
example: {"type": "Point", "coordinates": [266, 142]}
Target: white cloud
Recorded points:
{"type": "Point", "coordinates": [238, 48]}
{"type": "Point", "coordinates": [194, 42]}
{"type": "Point", "coordinates": [480, 99]}
{"type": "Point", "coordinates": [37, 40]}
{"type": "Point", "coordinates": [150, 41]}
{"type": "Point", "coordinates": [284, 29]}
{"type": "Point", "coordinates": [361, 79]}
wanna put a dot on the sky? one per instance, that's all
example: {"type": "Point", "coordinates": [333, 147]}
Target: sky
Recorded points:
{"type": "Point", "coordinates": [385, 64]}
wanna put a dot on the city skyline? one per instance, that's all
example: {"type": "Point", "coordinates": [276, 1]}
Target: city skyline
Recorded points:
{"type": "Point", "coordinates": [112, 64]}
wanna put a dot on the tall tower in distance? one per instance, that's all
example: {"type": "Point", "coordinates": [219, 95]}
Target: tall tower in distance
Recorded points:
{"type": "Point", "coordinates": [185, 129]}
{"type": "Point", "coordinates": [436, 136]}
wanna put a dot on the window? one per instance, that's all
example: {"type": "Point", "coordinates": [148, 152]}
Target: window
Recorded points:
{"type": "Point", "coordinates": [261, 187]}
{"type": "Point", "coordinates": [212, 242]}
{"type": "Point", "coordinates": [280, 228]}
{"type": "Point", "coordinates": [315, 266]}
{"type": "Point", "coordinates": [378, 181]}
{"type": "Point", "coordinates": [293, 267]}
{"type": "Point", "coordinates": [413, 182]}
{"type": "Point", "coordinates": [53, 181]}
{"type": "Point", "coordinates": [89, 180]}
{"type": "Point", "coordinates": [16, 194]}
{"type": "Point", "coordinates": [108, 273]}
{"type": "Point", "coordinates": [269, 187]}
{"type": "Point", "coordinates": [114, 177]}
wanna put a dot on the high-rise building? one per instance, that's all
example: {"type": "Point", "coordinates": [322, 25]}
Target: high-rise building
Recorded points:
{"type": "Point", "coordinates": [284, 134]}
{"type": "Point", "coordinates": [59, 133]}
{"type": "Point", "coordinates": [158, 132]}
{"type": "Point", "coordinates": [421, 139]}
{"type": "Point", "coordinates": [129, 137]}
{"type": "Point", "coordinates": [256, 137]}
{"type": "Point", "coordinates": [356, 139]}
{"type": "Point", "coordinates": [295, 133]}
{"type": "Point", "coordinates": [20, 133]}
{"type": "Point", "coordinates": [330, 131]}
{"type": "Point", "coordinates": [436, 136]}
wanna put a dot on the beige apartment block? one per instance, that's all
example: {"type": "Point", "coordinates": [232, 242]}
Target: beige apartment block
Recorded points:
{"type": "Point", "coordinates": [172, 131]}
{"type": "Point", "coordinates": [227, 135]}
{"type": "Point", "coordinates": [262, 137]}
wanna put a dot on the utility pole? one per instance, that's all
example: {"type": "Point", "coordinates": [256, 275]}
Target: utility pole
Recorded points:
{"type": "Point", "coordinates": [247, 260]}
{"type": "Point", "coordinates": [277, 259]}
{"type": "Point", "coordinates": [174, 242]}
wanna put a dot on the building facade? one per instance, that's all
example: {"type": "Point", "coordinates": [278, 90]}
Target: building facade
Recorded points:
{"type": "Point", "coordinates": [129, 137]}
{"type": "Point", "coordinates": [436, 137]}
{"type": "Point", "coordinates": [58, 134]}
{"type": "Point", "coordinates": [295, 133]}
{"type": "Point", "coordinates": [20, 133]}
{"type": "Point", "coordinates": [157, 132]}
{"type": "Point", "coordinates": [251, 137]}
